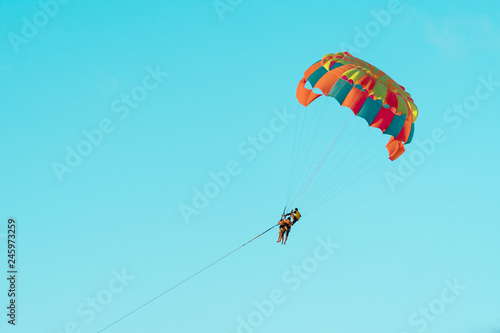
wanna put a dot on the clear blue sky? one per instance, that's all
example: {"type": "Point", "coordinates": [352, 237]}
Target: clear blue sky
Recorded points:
{"type": "Point", "coordinates": [416, 244]}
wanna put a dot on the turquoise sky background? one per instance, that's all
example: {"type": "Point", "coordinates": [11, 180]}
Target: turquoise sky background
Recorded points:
{"type": "Point", "coordinates": [223, 76]}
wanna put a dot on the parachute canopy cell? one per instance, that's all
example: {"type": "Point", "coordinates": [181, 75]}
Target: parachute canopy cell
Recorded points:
{"type": "Point", "coordinates": [367, 91]}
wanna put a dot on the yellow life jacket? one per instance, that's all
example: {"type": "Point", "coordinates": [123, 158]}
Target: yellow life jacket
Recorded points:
{"type": "Point", "coordinates": [297, 215]}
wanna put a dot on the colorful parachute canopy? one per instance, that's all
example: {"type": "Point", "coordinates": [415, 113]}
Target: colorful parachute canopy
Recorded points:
{"type": "Point", "coordinates": [368, 92]}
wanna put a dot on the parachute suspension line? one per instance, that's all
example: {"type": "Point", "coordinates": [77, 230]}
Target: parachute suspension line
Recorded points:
{"type": "Point", "coordinates": [326, 135]}
{"type": "Point", "coordinates": [351, 178]}
{"type": "Point", "coordinates": [290, 172]}
{"type": "Point", "coordinates": [307, 136]}
{"type": "Point", "coordinates": [306, 185]}
{"type": "Point", "coordinates": [358, 165]}
{"type": "Point", "coordinates": [311, 134]}
{"type": "Point", "coordinates": [337, 151]}
{"type": "Point", "coordinates": [349, 173]}
{"type": "Point", "coordinates": [341, 166]}
{"type": "Point", "coordinates": [323, 182]}
{"type": "Point", "coordinates": [311, 177]}
{"type": "Point", "coordinates": [298, 138]}
{"type": "Point", "coordinates": [301, 136]}
{"type": "Point", "coordinates": [305, 162]}
{"type": "Point", "coordinates": [185, 280]}
{"type": "Point", "coordinates": [306, 151]}
{"type": "Point", "coordinates": [347, 184]}
{"type": "Point", "coordinates": [349, 168]}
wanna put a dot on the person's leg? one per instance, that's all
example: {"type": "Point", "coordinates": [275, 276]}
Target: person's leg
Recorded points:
{"type": "Point", "coordinates": [283, 236]}
{"type": "Point", "coordinates": [286, 235]}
